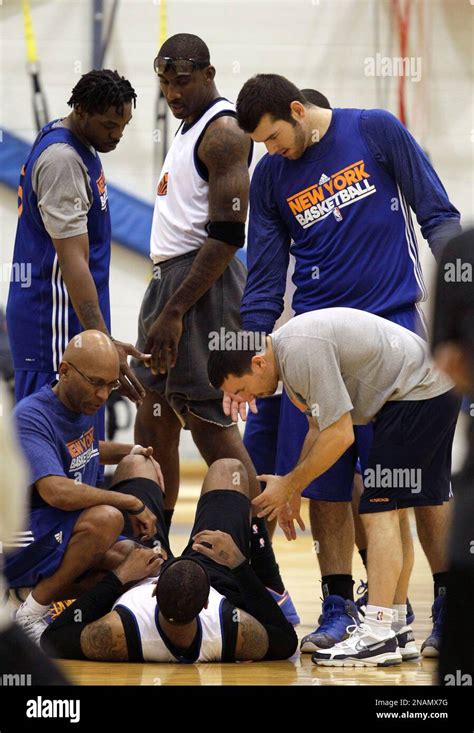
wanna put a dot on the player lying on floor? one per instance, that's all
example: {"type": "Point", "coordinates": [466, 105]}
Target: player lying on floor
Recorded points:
{"type": "Point", "coordinates": [206, 606]}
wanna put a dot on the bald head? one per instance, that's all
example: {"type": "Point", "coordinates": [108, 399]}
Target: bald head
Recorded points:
{"type": "Point", "coordinates": [89, 371]}
{"type": "Point", "coordinates": [92, 351]}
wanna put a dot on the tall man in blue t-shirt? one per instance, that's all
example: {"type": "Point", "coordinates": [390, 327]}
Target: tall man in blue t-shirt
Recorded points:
{"type": "Point", "coordinates": [339, 183]}
{"type": "Point", "coordinates": [64, 235]}
{"type": "Point", "coordinates": [74, 527]}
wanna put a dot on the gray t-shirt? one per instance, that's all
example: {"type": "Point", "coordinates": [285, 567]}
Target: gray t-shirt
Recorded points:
{"type": "Point", "coordinates": [63, 189]}
{"type": "Point", "coordinates": [338, 360]}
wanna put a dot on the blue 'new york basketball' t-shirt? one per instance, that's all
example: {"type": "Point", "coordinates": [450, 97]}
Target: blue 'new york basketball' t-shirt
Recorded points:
{"type": "Point", "coordinates": [56, 441]}
{"type": "Point", "coordinates": [344, 206]}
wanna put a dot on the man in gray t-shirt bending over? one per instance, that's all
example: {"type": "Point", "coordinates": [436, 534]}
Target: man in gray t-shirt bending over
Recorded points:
{"type": "Point", "coordinates": [341, 367]}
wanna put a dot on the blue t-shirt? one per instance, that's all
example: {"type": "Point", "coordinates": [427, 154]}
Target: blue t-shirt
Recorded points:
{"type": "Point", "coordinates": [56, 441]}
{"type": "Point", "coordinates": [344, 207]}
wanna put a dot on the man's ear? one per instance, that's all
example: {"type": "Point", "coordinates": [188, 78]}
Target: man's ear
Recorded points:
{"type": "Point", "coordinates": [210, 73]}
{"type": "Point", "coordinates": [298, 110]}
{"type": "Point", "coordinates": [258, 361]}
{"type": "Point", "coordinates": [63, 369]}
{"type": "Point", "coordinates": [79, 111]}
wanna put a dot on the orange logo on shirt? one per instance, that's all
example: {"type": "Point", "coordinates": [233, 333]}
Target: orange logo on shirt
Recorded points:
{"type": "Point", "coordinates": [102, 189]}
{"type": "Point", "coordinates": [20, 192]}
{"type": "Point", "coordinates": [162, 189]}
{"type": "Point", "coordinates": [101, 185]}
{"type": "Point", "coordinates": [79, 445]}
{"type": "Point", "coordinates": [330, 194]}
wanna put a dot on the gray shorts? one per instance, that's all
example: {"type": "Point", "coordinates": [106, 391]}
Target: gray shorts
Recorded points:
{"type": "Point", "coordinates": [186, 386]}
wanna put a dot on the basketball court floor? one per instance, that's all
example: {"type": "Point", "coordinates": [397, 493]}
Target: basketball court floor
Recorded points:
{"type": "Point", "coordinates": [300, 572]}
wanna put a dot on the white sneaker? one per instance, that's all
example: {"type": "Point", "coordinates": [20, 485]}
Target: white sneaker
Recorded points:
{"type": "Point", "coordinates": [14, 598]}
{"type": "Point", "coordinates": [363, 648]}
{"type": "Point", "coordinates": [32, 624]}
{"type": "Point", "coordinates": [406, 643]}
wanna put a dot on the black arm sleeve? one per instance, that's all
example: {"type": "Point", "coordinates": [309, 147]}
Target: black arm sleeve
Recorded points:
{"type": "Point", "coordinates": [282, 639]}
{"type": "Point", "coordinates": [62, 638]}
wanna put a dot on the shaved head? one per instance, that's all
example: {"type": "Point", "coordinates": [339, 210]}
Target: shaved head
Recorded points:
{"type": "Point", "coordinates": [89, 370]}
{"type": "Point", "coordinates": [92, 350]}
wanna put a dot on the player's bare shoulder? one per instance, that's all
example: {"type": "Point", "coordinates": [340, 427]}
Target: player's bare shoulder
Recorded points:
{"type": "Point", "coordinates": [224, 144]}
{"type": "Point", "coordinates": [104, 639]}
{"type": "Point", "coordinates": [252, 639]}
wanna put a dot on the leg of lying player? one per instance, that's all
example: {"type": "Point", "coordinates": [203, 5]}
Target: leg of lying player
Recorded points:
{"type": "Point", "coordinates": [141, 477]}
{"type": "Point", "coordinates": [215, 442]}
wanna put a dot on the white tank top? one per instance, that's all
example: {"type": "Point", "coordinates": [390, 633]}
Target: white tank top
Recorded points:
{"type": "Point", "coordinates": [142, 605]}
{"type": "Point", "coordinates": [181, 210]}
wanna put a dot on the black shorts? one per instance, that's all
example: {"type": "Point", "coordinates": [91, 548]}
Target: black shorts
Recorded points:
{"type": "Point", "coordinates": [409, 462]}
{"type": "Point", "coordinates": [223, 509]}
{"type": "Point", "coordinates": [151, 494]}
{"type": "Point", "coordinates": [228, 511]}
{"type": "Point", "coordinates": [186, 386]}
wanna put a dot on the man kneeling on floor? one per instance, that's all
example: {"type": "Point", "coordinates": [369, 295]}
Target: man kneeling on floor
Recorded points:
{"type": "Point", "coordinates": [74, 528]}
{"type": "Point", "coordinates": [343, 366]}
{"type": "Point", "coordinates": [206, 606]}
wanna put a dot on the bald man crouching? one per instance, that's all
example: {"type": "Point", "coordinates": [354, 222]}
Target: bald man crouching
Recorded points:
{"type": "Point", "coordinates": [74, 530]}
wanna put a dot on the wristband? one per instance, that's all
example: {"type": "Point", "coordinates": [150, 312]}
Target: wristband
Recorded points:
{"type": "Point", "coordinates": [137, 511]}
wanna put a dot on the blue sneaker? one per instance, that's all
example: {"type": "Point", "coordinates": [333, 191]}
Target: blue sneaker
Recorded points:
{"type": "Point", "coordinates": [338, 614]}
{"type": "Point", "coordinates": [286, 605]}
{"type": "Point", "coordinates": [363, 592]}
{"type": "Point", "coordinates": [430, 647]}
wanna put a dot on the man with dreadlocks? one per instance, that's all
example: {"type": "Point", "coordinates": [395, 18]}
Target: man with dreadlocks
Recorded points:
{"type": "Point", "coordinates": [64, 235]}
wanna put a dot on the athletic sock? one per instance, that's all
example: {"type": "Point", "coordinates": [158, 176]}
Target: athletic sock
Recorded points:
{"type": "Point", "coordinates": [168, 517]}
{"type": "Point", "coordinates": [262, 557]}
{"type": "Point", "coordinates": [35, 608]}
{"type": "Point", "coordinates": [379, 619]}
{"type": "Point", "coordinates": [338, 585]}
{"type": "Point", "coordinates": [440, 583]}
{"type": "Point", "coordinates": [363, 556]}
{"type": "Point", "coordinates": [400, 616]}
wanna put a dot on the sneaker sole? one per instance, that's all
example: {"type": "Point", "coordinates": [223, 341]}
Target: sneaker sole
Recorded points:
{"type": "Point", "coordinates": [384, 660]}
{"type": "Point", "coordinates": [430, 652]}
{"type": "Point", "coordinates": [310, 647]}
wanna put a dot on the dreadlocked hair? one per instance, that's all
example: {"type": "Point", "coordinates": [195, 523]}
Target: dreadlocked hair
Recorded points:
{"type": "Point", "coordinates": [96, 91]}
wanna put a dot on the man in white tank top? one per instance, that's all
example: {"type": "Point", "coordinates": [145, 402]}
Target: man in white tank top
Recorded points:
{"type": "Point", "coordinates": [194, 295]}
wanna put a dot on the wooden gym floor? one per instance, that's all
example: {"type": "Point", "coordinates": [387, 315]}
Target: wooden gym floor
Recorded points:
{"type": "Point", "coordinates": [300, 572]}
